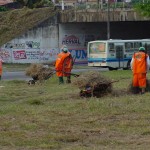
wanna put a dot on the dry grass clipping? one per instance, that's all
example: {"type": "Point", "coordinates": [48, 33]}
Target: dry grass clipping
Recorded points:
{"type": "Point", "coordinates": [39, 72]}
{"type": "Point", "coordinates": [98, 84]}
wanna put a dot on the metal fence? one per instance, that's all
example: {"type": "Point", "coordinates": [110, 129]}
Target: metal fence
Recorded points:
{"type": "Point", "coordinates": [126, 4]}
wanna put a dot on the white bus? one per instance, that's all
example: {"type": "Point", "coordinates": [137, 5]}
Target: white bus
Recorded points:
{"type": "Point", "coordinates": [114, 54]}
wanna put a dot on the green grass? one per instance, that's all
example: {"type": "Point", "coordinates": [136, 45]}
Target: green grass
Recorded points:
{"type": "Point", "coordinates": [52, 116]}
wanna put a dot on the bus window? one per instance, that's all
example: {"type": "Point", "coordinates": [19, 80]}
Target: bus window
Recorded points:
{"type": "Point", "coordinates": [97, 47]}
{"type": "Point", "coordinates": [129, 47]}
{"type": "Point", "coordinates": [137, 45]}
{"type": "Point", "coordinates": [111, 47]}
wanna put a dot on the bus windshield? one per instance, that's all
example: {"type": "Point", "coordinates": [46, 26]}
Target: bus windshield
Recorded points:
{"type": "Point", "coordinates": [97, 47]}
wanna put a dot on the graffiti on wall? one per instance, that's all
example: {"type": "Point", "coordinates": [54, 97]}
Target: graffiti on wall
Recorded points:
{"type": "Point", "coordinates": [15, 46]}
{"type": "Point", "coordinates": [33, 54]}
{"type": "Point", "coordinates": [80, 55]}
{"type": "Point", "coordinates": [25, 56]}
{"type": "Point", "coordinates": [71, 40]}
{"type": "Point", "coordinates": [26, 44]}
{"type": "Point", "coordinates": [5, 54]}
{"type": "Point", "coordinates": [23, 51]}
{"type": "Point", "coordinates": [78, 40]}
{"type": "Point", "coordinates": [31, 44]}
{"type": "Point", "coordinates": [47, 55]}
{"type": "Point", "coordinates": [77, 45]}
{"type": "Point", "coordinates": [21, 54]}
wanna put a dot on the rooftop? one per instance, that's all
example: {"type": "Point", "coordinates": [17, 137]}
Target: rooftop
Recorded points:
{"type": "Point", "coordinates": [3, 2]}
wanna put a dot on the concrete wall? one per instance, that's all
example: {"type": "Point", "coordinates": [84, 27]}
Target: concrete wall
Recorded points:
{"type": "Point", "coordinates": [42, 43]}
{"type": "Point", "coordinates": [35, 46]}
{"type": "Point", "coordinates": [76, 36]}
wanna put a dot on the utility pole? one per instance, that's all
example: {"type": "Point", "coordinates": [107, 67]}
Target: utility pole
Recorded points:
{"type": "Point", "coordinates": [108, 19]}
{"type": "Point", "coordinates": [62, 5]}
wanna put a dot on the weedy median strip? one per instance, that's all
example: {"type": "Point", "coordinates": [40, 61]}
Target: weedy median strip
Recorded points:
{"type": "Point", "coordinates": [52, 116]}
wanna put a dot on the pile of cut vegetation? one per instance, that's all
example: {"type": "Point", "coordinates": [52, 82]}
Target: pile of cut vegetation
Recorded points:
{"type": "Point", "coordinates": [16, 22]}
{"type": "Point", "coordinates": [39, 72]}
{"type": "Point", "coordinates": [136, 90]}
{"type": "Point", "coordinates": [93, 84]}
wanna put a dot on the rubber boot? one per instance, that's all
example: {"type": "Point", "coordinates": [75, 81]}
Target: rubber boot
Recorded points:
{"type": "Point", "coordinates": [0, 77]}
{"type": "Point", "coordinates": [61, 81]}
{"type": "Point", "coordinates": [142, 90]}
{"type": "Point", "coordinates": [68, 79]}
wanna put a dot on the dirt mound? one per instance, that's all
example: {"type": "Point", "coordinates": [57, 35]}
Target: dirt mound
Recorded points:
{"type": "Point", "coordinates": [39, 72]}
{"type": "Point", "coordinates": [93, 84]}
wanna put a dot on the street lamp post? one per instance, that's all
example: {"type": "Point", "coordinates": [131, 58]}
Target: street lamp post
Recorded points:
{"type": "Point", "coordinates": [62, 5]}
{"type": "Point", "coordinates": [108, 20]}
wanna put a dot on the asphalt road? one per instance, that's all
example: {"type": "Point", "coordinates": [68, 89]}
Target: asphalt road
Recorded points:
{"type": "Point", "coordinates": [20, 75]}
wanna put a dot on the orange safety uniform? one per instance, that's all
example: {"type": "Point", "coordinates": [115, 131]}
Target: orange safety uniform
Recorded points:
{"type": "Point", "coordinates": [63, 64]}
{"type": "Point", "coordinates": [139, 67]}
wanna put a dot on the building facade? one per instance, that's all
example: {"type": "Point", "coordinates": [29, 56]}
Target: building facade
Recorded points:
{"type": "Point", "coordinates": [4, 2]}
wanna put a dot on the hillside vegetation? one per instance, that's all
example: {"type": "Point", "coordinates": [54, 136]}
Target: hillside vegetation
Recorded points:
{"type": "Point", "coordinates": [16, 22]}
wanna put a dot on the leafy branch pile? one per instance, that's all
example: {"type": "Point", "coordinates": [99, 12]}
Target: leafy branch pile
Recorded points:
{"type": "Point", "coordinates": [93, 84]}
{"type": "Point", "coordinates": [39, 72]}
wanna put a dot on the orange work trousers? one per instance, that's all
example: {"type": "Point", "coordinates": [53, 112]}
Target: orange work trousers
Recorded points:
{"type": "Point", "coordinates": [0, 71]}
{"type": "Point", "coordinates": [139, 80]}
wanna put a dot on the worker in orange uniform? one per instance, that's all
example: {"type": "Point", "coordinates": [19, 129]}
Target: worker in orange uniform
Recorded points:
{"type": "Point", "coordinates": [63, 65]}
{"type": "Point", "coordinates": [1, 62]}
{"type": "Point", "coordinates": [140, 66]}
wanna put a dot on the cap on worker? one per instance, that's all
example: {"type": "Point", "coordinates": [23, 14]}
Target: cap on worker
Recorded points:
{"type": "Point", "coordinates": [65, 49]}
{"type": "Point", "coordinates": [141, 49]}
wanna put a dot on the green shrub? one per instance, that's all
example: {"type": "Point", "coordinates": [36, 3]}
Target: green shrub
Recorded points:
{"type": "Point", "coordinates": [3, 8]}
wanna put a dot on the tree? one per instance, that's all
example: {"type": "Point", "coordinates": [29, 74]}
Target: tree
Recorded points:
{"type": "Point", "coordinates": [143, 8]}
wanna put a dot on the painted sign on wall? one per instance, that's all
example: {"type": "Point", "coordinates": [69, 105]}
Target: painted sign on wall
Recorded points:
{"type": "Point", "coordinates": [71, 40]}
{"type": "Point", "coordinates": [80, 55]}
{"type": "Point", "coordinates": [27, 52]}
{"type": "Point", "coordinates": [5, 54]}
{"type": "Point", "coordinates": [20, 54]}
{"type": "Point", "coordinates": [48, 55]}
